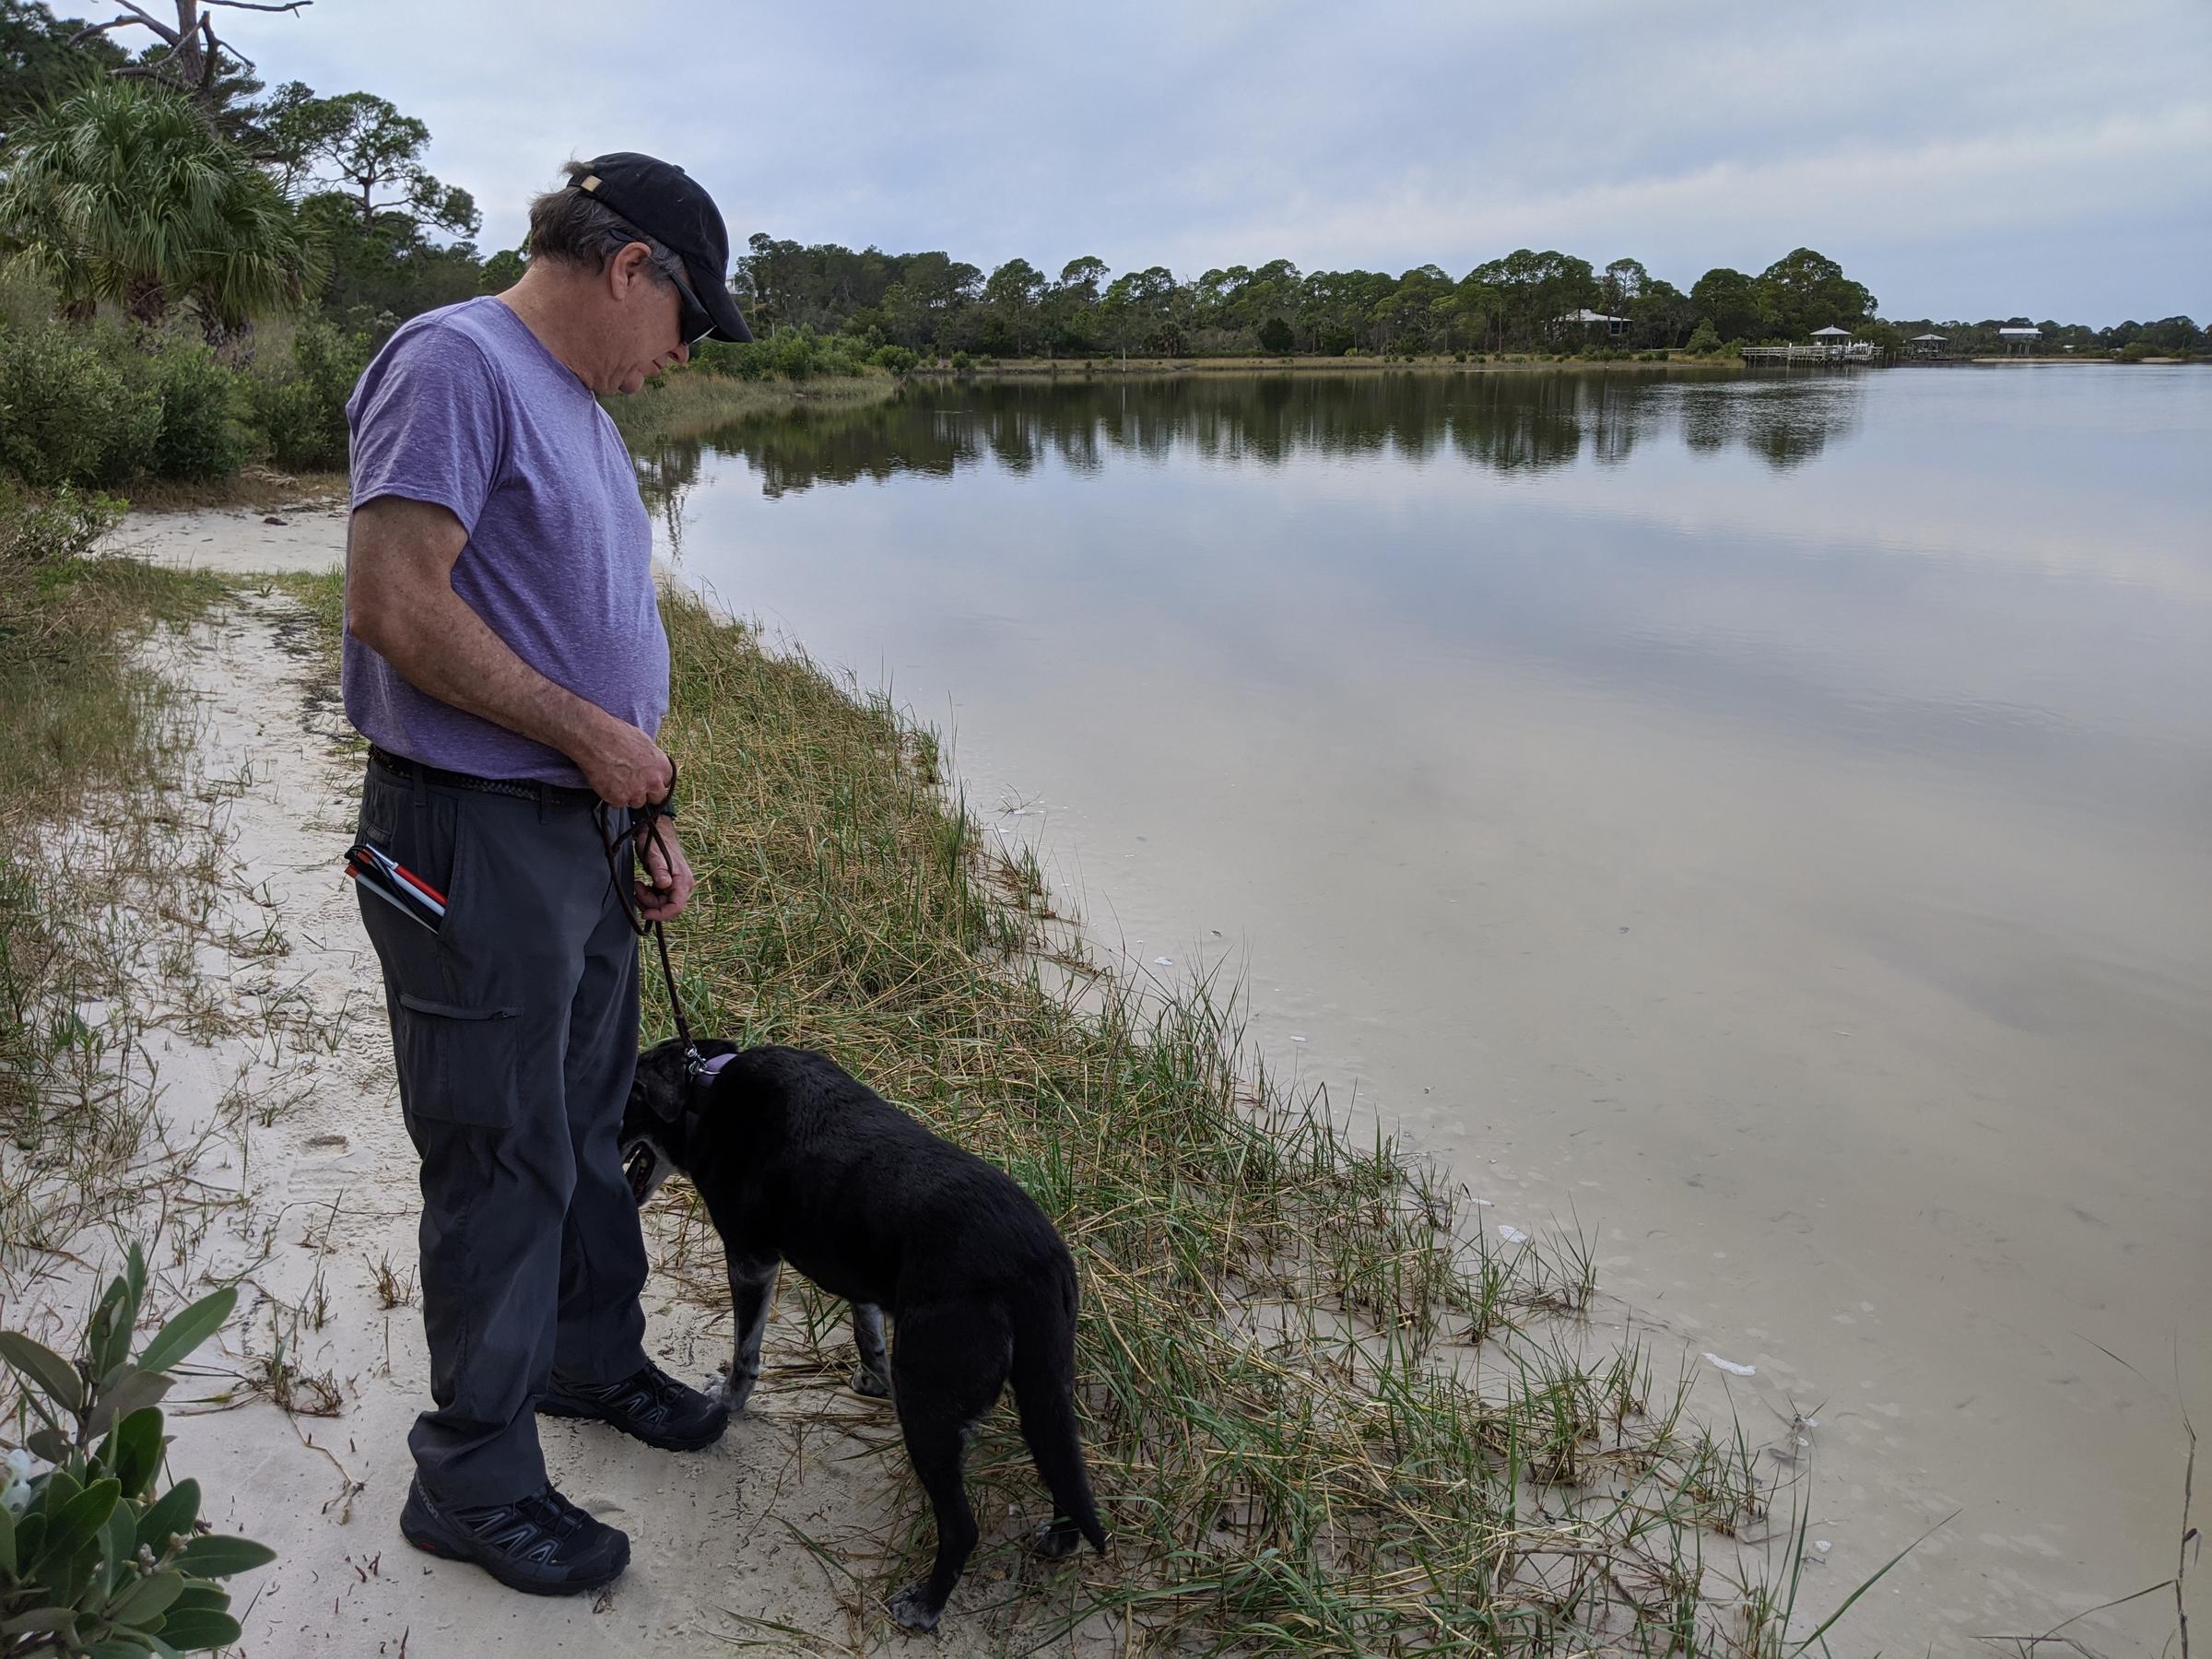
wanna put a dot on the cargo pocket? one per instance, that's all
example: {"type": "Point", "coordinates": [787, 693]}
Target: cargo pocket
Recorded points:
{"type": "Point", "coordinates": [457, 1064]}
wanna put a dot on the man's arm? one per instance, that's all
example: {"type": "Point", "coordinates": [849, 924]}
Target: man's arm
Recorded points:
{"type": "Point", "coordinates": [400, 603]}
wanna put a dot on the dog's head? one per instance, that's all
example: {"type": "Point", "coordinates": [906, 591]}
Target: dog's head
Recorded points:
{"type": "Point", "coordinates": [662, 1113]}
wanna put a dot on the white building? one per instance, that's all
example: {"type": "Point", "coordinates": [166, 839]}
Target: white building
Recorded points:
{"type": "Point", "coordinates": [1586, 318]}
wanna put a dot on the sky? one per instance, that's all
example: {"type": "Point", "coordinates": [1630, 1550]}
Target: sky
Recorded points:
{"type": "Point", "coordinates": [1964, 158]}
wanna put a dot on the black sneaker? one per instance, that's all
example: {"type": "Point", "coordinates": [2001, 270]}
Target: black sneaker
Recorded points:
{"type": "Point", "coordinates": [541, 1545]}
{"type": "Point", "coordinates": [649, 1403]}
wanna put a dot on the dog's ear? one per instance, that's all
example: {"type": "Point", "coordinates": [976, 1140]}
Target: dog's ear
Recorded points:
{"type": "Point", "coordinates": [658, 1084]}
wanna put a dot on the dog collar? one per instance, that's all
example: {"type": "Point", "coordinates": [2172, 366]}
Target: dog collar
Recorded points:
{"type": "Point", "coordinates": [712, 1068]}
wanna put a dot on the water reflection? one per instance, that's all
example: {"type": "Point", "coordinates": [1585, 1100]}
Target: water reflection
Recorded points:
{"type": "Point", "coordinates": [1504, 422]}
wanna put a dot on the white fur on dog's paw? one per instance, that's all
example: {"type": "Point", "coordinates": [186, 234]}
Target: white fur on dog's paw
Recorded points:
{"type": "Point", "coordinates": [868, 1385]}
{"type": "Point", "coordinates": [910, 1607]}
{"type": "Point", "coordinates": [724, 1390]}
{"type": "Point", "coordinates": [1054, 1541]}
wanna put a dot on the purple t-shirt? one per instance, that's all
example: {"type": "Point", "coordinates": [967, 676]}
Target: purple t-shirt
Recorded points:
{"type": "Point", "coordinates": [464, 407]}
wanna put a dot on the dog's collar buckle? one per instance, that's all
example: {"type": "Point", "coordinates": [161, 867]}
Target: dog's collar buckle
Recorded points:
{"type": "Point", "coordinates": [699, 1071]}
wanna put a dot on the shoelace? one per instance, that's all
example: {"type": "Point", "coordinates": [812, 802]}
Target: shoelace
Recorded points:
{"type": "Point", "coordinates": [662, 1389]}
{"type": "Point", "coordinates": [548, 1508]}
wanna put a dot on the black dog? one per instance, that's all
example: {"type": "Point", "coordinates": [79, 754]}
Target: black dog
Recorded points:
{"type": "Point", "coordinates": [797, 1161]}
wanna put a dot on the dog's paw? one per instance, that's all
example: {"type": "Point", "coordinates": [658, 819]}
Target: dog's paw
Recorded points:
{"type": "Point", "coordinates": [910, 1607]}
{"type": "Point", "coordinates": [1055, 1539]}
{"type": "Point", "coordinates": [728, 1391]}
{"type": "Point", "coordinates": [871, 1384]}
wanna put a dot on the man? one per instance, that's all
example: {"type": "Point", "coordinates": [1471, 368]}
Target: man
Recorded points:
{"type": "Point", "coordinates": [504, 656]}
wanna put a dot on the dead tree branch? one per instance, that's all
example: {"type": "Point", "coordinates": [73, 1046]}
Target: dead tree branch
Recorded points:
{"type": "Point", "coordinates": [194, 49]}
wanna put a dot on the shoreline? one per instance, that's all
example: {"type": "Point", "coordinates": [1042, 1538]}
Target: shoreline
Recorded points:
{"type": "Point", "coordinates": [1115, 367]}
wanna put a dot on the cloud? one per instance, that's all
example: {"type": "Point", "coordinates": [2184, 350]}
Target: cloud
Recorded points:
{"type": "Point", "coordinates": [1941, 153]}
{"type": "Point", "coordinates": [1898, 197]}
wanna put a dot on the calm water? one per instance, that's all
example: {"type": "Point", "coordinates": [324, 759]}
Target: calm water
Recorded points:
{"type": "Point", "coordinates": [1768, 820]}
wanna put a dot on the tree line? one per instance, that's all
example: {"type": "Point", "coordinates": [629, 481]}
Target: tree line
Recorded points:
{"type": "Point", "coordinates": [1523, 300]}
{"type": "Point", "coordinates": [1527, 300]}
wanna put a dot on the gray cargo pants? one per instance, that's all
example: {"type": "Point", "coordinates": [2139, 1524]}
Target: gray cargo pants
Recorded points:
{"type": "Point", "coordinates": [515, 1032]}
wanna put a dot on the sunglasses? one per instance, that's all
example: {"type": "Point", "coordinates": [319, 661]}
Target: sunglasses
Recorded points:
{"type": "Point", "coordinates": [696, 324]}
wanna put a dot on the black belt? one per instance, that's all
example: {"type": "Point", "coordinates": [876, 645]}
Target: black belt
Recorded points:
{"type": "Point", "coordinates": [551, 794]}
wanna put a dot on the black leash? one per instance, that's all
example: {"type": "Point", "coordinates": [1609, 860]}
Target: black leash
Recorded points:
{"type": "Point", "coordinates": [645, 827]}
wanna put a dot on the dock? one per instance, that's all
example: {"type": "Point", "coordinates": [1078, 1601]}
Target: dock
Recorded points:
{"type": "Point", "coordinates": [1847, 351]}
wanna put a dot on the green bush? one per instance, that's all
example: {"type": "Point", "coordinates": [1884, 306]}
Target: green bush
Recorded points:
{"type": "Point", "coordinates": [736, 362]}
{"type": "Point", "coordinates": [2134, 351]}
{"type": "Point", "coordinates": [899, 360]}
{"type": "Point", "coordinates": [51, 529]}
{"type": "Point", "coordinates": [300, 408]}
{"type": "Point", "coordinates": [199, 438]}
{"type": "Point", "coordinates": [71, 412]}
{"type": "Point", "coordinates": [1705, 340]}
{"type": "Point", "coordinates": [91, 1561]}
{"type": "Point", "coordinates": [795, 354]}
{"type": "Point", "coordinates": [1275, 336]}
{"type": "Point", "coordinates": [959, 362]}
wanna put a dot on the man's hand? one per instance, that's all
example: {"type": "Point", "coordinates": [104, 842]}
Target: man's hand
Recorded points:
{"type": "Point", "coordinates": [623, 766]}
{"type": "Point", "coordinates": [671, 877]}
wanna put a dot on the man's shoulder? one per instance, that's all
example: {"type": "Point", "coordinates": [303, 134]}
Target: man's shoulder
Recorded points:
{"type": "Point", "coordinates": [454, 357]}
{"type": "Point", "coordinates": [468, 334]}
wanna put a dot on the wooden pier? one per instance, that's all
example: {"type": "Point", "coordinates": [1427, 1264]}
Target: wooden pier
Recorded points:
{"type": "Point", "coordinates": [1847, 351]}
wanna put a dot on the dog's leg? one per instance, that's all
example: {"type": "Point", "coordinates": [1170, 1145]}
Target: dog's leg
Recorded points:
{"type": "Point", "coordinates": [948, 1368]}
{"type": "Point", "coordinates": [752, 1293]}
{"type": "Point", "coordinates": [873, 1376]}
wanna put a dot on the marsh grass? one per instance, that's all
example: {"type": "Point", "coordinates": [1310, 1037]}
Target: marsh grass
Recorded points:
{"type": "Point", "coordinates": [108, 870]}
{"type": "Point", "coordinates": [1325, 1412]}
{"type": "Point", "coordinates": [688, 402]}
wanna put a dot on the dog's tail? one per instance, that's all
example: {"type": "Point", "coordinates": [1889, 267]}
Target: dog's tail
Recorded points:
{"type": "Point", "coordinates": [1043, 1374]}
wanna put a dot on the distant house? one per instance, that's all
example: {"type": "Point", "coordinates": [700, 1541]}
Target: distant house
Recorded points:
{"type": "Point", "coordinates": [1929, 345]}
{"type": "Point", "coordinates": [2019, 342]}
{"type": "Point", "coordinates": [1586, 318]}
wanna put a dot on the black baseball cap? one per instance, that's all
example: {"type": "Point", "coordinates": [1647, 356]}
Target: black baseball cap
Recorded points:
{"type": "Point", "coordinates": [661, 199]}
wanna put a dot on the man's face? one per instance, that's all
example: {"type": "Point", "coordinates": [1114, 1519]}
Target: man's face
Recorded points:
{"type": "Point", "coordinates": [650, 315]}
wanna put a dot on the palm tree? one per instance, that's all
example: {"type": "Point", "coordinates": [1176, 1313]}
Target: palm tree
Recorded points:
{"type": "Point", "coordinates": [121, 193]}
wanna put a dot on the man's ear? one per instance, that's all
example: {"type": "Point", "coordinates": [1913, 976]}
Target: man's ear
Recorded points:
{"type": "Point", "coordinates": [628, 267]}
